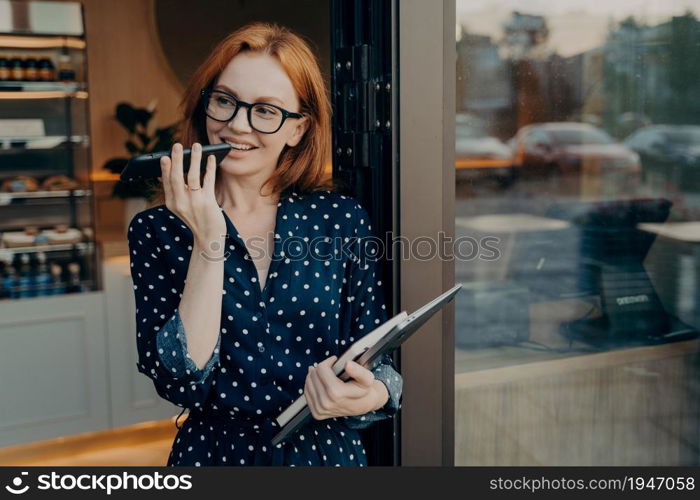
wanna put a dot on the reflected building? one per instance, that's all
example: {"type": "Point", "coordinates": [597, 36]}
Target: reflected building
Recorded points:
{"type": "Point", "coordinates": [515, 80]}
{"type": "Point", "coordinates": [525, 36]}
{"type": "Point", "coordinates": [644, 75]}
{"type": "Point", "coordinates": [483, 79]}
{"type": "Point", "coordinates": [632, 79]}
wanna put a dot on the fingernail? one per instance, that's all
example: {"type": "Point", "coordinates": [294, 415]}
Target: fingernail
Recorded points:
{"type": "Point", "coordinates": [197, 147]}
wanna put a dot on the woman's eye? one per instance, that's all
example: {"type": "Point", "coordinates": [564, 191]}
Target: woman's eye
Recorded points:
{"type": "Point", "coordinates": [223, 100]}
{"type": "Point", "coordinates": [266, 111]}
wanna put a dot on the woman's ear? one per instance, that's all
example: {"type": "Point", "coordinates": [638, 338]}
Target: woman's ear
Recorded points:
{"type": "Point", "coordinates": [298, 132]}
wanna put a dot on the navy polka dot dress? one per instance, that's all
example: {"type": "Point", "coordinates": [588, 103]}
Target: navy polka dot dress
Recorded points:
{"type": "Point", "coordinates": [322, 293]}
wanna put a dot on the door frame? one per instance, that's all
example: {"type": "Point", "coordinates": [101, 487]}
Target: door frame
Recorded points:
{"type": "Point", "coordinates": [405, 175]}
{"type": "Point", "coordinates": [427, 87]}
{"type": "Point", "coordinates": [365, 149]}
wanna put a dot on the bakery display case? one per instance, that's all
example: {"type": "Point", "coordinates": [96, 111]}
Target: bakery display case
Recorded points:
{"type": "Point", "coordinates": [47, 244]}
{"type": "Point", "coordinates": [66, 317]}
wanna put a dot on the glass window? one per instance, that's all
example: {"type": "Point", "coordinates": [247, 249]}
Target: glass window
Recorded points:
{"type": "Point", "coordinates": [578, 161]}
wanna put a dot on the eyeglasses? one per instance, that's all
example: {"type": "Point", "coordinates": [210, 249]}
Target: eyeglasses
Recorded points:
{"type": "Point", "coordinates": [263, 117]}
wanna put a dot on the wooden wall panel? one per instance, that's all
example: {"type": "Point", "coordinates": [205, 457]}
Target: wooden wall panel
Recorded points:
{"type": "Point", "coordinates": [125, 63]}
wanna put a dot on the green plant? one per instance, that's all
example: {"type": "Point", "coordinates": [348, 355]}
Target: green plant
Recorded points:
{"type": "Point", "coordinates": [144, 137]}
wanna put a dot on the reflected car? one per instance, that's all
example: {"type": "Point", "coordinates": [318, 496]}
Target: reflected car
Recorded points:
{"type": "Point", "coordinates": [479, 155]}
{"type": "Point", "coordinates": [670, 152]}
{"type": "Point", "coordinates": [569, 148]}
{"type": "Point", "coordinates": [667, 144]}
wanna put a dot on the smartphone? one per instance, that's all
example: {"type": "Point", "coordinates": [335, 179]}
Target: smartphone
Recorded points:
{"type": "Point", "coordinates": [148, 166]}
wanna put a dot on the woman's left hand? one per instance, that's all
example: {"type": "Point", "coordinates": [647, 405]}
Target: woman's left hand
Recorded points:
{"type": "Point", "coordinates": [329, 396]}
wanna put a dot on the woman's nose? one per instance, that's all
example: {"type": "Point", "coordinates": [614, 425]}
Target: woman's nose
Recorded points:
{"type": "Point", "coordinates": [239, 123]}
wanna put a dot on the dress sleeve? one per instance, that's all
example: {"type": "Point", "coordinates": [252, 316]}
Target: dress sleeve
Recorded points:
{"type": "Point", "coordinates": [160, 336]}
{"type": "Point", "coordinates": [365, 309]}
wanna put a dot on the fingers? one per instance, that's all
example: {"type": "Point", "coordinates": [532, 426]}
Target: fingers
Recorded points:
{"type": "Point", "coordinates": [332, 393]}
{"type": "Point", "coordinates": [210, 175]}
{"type": "Point", "coordinates": [359, 383]}
{"type": "Point", "coordinates": [359, 373]}
{"type": "Point", "coordinates": [193, 174]}
{"type": "Point", "coordinates": [328, 396]}
{"type": "Point", "coordinates": [330, 385]}
{"type": "Point", "coordinates": [311, 394]}
{"type": "Point", "coordinates": [165, 169]}
{"type": "Point", "coordinates": [177, 181]}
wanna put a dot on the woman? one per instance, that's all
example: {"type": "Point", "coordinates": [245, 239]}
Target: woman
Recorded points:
{"type": "Point", "coordinates": [244, 297]}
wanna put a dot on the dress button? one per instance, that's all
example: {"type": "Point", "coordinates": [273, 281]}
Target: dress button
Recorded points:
{"type": "Point", "coordinates": [261, 348]}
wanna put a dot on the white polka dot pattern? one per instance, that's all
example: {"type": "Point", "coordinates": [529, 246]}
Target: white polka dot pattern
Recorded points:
{"type": "Point", "coordinates": [322, 292]}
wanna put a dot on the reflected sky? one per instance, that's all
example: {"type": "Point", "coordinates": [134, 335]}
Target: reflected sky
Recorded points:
{"type": "Point", "coordinates": [574, 27]}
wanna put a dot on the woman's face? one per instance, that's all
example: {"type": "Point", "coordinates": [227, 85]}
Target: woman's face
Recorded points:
{"type": "Point", "coordinates": [255, 77]}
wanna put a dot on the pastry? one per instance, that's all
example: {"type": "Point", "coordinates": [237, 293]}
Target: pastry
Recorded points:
{"type": "Point", "coordinates": [14, 239]}
{"type": "Point", "coordinates": [19, 184]}
{"type": "Point", "coordinates": [62, 234]}
{"type": "Point", "coordinates": [59, 182]}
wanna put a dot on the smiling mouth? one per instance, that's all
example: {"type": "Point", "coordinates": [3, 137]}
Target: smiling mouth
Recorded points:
{"type": "Point", "coordinates": [239, 146]}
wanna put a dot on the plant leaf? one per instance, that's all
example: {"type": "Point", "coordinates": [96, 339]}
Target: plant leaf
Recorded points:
{"type": "Point", "coordinates": [143, 116]}
{"type": "Point", "coordinates": [144, 139]}
{"type": "Point", "coordinates": [126, 116]}
{"type": "Point", "coordinates": [131, 147]}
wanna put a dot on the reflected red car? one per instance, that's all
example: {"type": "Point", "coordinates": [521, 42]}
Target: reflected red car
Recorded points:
{"type": "Point", "coordinates": [566, 148]}
{"type": "Point", "coordinates": [478, 155]}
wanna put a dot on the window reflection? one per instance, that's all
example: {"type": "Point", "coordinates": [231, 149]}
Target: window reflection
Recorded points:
{"type": "Point", "coordinates": [578, 147]}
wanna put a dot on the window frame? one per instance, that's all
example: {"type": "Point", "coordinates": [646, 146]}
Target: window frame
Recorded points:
{"type": "Point", "coordinates": [427, 93]}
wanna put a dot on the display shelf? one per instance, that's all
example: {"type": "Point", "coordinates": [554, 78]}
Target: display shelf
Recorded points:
{"type": "Point", "coordinates": [30, 291]}
{"type": "Point", "coordinates": [43, 94]}
{"type": "Point", "coordinates": [41, 42]}
{"type": "Point", "coordinates": [85, 246]}
{"type": "Point", "coordinates": [57, 148]}
{"type": "Point", "coordinates": [22, 86]}
{"type": "Point", "coordinates": [51, 118]}
{"type": "Point", "coordinates": [42, 142]}
{"type": "Point", "coordinates": [8, 198]}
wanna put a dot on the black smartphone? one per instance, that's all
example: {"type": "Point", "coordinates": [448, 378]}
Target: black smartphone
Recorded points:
{"type": "Point", "coordinates": [148, 166]}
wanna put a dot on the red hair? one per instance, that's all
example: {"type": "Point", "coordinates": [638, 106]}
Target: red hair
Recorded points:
{"type": "Point", "coordinates": [300, 167]}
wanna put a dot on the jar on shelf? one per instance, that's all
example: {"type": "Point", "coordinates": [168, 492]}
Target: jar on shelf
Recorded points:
{"type": "Point", "coordinates": [31, 70]}
{"type": "Point", "coordinates": [75, 284]}
{"type": "Point", "coordinates": [26, 277]}
{"type": "Point", "coordinates": [16, 68]}
{"type": "Point", "coordinates": [58, 285]}
{"type": "Point", "coordinates": [4, 68]}
{"type": "Point", "coordinates": [42, 277]}
{"type": "Point", "coordinates": [66, 73]}
{"type": "Point", "coordinates": [8, 279]}
{"type": "Point", "coordinates": [46, 70]}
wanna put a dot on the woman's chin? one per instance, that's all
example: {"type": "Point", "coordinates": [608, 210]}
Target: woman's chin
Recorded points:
{"type": "Point", "coordinates": [231, 166]}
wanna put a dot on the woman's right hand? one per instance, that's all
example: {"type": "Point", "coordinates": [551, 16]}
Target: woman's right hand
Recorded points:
{"type": "Point", "coordinates": [196, 207]}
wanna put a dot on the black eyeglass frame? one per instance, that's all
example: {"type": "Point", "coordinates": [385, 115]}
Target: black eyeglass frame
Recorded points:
{"type": "Point", "coordinates": [206, 94]}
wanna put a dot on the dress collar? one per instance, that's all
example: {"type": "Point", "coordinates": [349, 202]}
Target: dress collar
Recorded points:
{"type": "Point", "coordinates": [286, 224]}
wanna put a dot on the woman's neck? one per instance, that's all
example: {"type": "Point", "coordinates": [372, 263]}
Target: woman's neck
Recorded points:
{"type": "Point", "coordinates": [242, 194]}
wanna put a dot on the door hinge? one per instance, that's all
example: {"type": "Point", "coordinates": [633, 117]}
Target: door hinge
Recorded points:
{"type": "Point", "coordinates": [362, 106]}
